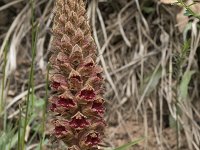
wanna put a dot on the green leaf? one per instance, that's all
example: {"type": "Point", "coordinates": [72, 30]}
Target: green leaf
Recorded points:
{"type": "Point", "coordinates": [148, 10]}
{"type": "Point", "coordinates": [187, 13]}
{"type": "Point", "coordinates": [39, 103]}
{"type": "Point", "coordinates": [128, 145]}
{"type": "Point", "coordinates": [184, 83]}
{"type": "Point", "coordinates": [151, 81]}
{"type": "Point", "coordinates": [8, 138]}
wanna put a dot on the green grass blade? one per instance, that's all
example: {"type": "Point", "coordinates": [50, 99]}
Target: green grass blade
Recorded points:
{"type": "Point", "coordinates": [8, 138]}
{"type": "Point", "coordinates": [185, 83]}
{"type": "Point", "coordinates": [44, 110]}
{"type": "Point", "coordinates": [30, 100]}
{"type": "Point", "coordinates": [19, 130]}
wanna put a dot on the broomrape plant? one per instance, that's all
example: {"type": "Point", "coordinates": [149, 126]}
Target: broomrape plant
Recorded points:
{"type": "Point", "coordinates": [75, 79]}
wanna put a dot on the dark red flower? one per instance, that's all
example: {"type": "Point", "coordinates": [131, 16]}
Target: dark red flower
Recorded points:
{"type": "Point", "coordinates": [87, 93]}
{"type": "Point", "coordinates": [62, 103]}
{"type": "Point", "coordinates": [90, 140]}
{"type": "Point", "coordinates": [55, 85]}
{"type": "Point", "coordinates": [65, 102]}
{"type": "Point", "coordinates": [58, 82]}
{"type": "Point", "coordinates": [97, 106]}
{"type": "Point", "coordinates": [61, 129]}
{"type": "Point", "coordinates": [79, 121]}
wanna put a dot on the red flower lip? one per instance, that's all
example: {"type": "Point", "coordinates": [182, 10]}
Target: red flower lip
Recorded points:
{"type": "Point", "coordinates": [60, 129]}
{"type": "Point", "coordinates": [90, 140]}
{"type": "Point", "coordinates": [95, 107]}
{"type": "Point", "coordinates": [98, 107]}
{"type": "Point", "coordinates": [65, 102]}
{"type": "Point", "coordinates": [55, 85]}
{"type": "Point", "coordinates": [62, 103]}
{"type": "Point", "coordinates": [79, 121]}
{"type": "Point", "coordinates": [87, 93]}
{"type": "Point", "coordinates": [89, 62]}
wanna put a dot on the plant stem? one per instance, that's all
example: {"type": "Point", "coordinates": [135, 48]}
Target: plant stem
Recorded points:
{"type": "Point", "coordinates": [31, 76]}
{"type": "Point", "coordinates": [3, 80]}
{"type": "Point", "coordinates": [44, 109]}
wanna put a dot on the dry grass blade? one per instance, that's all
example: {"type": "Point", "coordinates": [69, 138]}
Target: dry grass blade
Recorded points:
{"type": "Point", "coordinates": [120, 23]}
{"type": "Point", "coordinates": [9, 4]}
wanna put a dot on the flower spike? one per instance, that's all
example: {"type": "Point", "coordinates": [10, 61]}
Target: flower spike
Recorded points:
{"type": "Point", "coordinates": [76, 101]}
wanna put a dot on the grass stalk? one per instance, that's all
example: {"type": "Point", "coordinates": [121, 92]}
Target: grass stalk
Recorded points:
{"type": "Point", "coordinates": [19, 130]}
{"type": "Point", "coordinates": [2, 101]}
{"type": "Point", "coordinates": [29, 106]}
{"type": "Point", "coordinates": [3, 79]}
{"type": "Point", "coordinates": [177, 123]}
{"type": "Point", "coordinates": [44, 110]}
